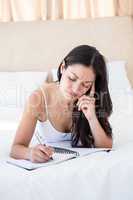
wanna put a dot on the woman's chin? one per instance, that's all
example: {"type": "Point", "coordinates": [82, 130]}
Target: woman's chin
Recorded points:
{"type": "Point", "coordinates": [68, 96]}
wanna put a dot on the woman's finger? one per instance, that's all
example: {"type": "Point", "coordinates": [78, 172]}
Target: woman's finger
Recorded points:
{"type": "Point", "coordinates": [46, 150]}
{"type": "Point", "coordinates": [84, 106]}
{"type": "Point", "coordinates": [91, 100]}
{"type": "Point", "coordinates": [83, 98]}
{"type": "Point", "coordinates": [38, 156]}
{"type": "Point", "coordinates": [49, 150]}
{"type": "Point", "coordinates": [92, 92]}
{"type": "Point", "coordinates": [81, 104]}
{"type": "Point", "coordinates": [87, 103]}
{"type": "Point", "coordinates": [42, 156]}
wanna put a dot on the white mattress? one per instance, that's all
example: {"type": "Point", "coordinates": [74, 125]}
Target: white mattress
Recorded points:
{"type": "Point", "coordinates": [99, 176]}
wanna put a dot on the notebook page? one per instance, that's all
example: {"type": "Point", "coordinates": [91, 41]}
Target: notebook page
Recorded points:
{"type": "Point", "coordinates": [62, 155]}
{"type": "Point", "coordinates": [26, 164]}
{"type": "Point", "coordinates": [80, 151]}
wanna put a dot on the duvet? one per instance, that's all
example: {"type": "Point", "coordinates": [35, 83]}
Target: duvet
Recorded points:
{"type": "Point", "coordinates": [98, 176]}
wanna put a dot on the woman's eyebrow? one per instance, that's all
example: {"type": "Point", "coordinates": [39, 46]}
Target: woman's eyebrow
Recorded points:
{"type": "Point", "coordinates": [78, 78]}
{"type": "Point", "coordinates": [74, 74]}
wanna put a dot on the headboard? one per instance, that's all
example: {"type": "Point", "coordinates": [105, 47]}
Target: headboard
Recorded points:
{"type": "Point", "coordinates": [42, 45]}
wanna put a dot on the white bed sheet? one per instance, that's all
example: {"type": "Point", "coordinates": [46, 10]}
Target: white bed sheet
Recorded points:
{"type": "Point", "coordinates": [99, 176]}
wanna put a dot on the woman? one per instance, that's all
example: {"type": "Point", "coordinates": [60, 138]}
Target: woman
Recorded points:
{"type": "Point", "coordinates": [75, 108]}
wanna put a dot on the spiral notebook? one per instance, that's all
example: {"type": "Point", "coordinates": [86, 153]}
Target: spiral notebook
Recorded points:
{"type": "Point", "coordinates": [60, 155]}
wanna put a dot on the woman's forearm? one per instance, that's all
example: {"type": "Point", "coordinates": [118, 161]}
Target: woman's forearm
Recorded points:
{"type": "Point", "coordinates": [20, 152]}
{"type": "Point", "coordinates": [100, 137]}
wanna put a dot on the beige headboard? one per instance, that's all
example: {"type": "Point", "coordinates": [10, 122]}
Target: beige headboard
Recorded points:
{"type": "Point", "coordinates": [42, 45]}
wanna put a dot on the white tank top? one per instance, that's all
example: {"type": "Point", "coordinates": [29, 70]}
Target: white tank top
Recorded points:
{"type": "Point", "coordinates": [46, 131]}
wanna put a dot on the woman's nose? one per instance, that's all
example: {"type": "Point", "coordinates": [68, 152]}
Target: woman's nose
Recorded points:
{"type": "Point", "coordinates": [76, 89]}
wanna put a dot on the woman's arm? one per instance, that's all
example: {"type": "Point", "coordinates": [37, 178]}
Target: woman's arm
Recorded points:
{"type": "Point", "coordinates": [101, 138]}
{"type": "Point", "coordinates": [87, 105]}
{"type": "Point", "coordinates": [20, 149]}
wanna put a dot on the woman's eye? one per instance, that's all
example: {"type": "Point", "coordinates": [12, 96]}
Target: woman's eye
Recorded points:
{"type": "Point", "coordinates": [71, 79]}
{"type": "Point", "coordinates": [86, 86]}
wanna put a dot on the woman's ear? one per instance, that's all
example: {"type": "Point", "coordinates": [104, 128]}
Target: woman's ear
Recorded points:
{"type": "Point", "coordinates": [62, 68]}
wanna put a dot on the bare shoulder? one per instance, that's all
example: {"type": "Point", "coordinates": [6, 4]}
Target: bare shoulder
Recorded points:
{"type": "Point", "coordinates": [49, 90]}
{"type": "Point", "coordinates": [47, 87]}
{"type": "Point", "coordinates": [37, 101]}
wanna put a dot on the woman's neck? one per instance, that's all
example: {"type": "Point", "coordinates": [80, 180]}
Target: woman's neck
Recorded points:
{"type": "Point", "coordinates": [65, 101]}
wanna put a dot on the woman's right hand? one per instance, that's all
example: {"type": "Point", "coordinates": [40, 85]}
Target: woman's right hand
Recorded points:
{"type": "Point", "coordinates": [40, 153]}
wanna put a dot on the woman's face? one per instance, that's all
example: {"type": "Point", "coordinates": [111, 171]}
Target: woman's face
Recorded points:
{"type": "Point", "coordinates": [76, 81]}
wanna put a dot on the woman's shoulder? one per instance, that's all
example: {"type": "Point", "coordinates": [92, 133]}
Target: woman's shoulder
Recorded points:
{"type": "Point", "coordinates": [40, 92]}
{"type": "Point", "coordinates": [39, 98]}
{"type": "Point", "coordinates": [49, 86]}
{"type": "Point", "coordinates": [48, 90]}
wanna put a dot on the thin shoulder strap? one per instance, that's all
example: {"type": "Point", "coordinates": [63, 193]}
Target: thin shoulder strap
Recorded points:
{"type": "Point", "coordinates": [45, 100]}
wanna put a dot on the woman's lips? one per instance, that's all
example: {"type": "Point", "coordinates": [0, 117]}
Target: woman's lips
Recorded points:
{"type": "Point", "coordinates": [72, 94]}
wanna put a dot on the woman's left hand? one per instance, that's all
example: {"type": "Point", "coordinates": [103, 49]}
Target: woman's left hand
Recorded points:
{"type": "Point", "coordinates": [87, 104]}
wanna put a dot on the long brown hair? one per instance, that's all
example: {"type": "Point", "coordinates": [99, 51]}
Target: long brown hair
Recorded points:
{"type": "Point", "coordinates": [81, 131]}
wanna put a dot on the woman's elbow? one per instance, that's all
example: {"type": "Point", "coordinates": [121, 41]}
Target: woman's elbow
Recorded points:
{"type": "Point", "coordinates": [11, 153]}
{"type": "Point", "coordinates": [108, 143]}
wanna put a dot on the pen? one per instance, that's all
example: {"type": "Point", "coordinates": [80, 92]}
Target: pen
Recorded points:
{"type": "Point", "coordinates": [37, 137]}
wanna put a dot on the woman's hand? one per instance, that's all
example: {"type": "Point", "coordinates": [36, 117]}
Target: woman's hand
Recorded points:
{"type": "Point", "coordinates": [40, 153]}
{"type": "Point", "coordinates": [87, 104]}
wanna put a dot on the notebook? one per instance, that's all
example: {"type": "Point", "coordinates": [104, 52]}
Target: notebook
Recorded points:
{"type": "Point", "coordinates": [60, 155]}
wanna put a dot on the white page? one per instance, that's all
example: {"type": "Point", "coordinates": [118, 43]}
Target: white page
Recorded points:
{"type": "Point", "coordinates": [26, 164]}
{"type": "Point", "coordinates": [81, 151]}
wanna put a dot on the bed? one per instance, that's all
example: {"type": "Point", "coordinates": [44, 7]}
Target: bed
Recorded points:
{"type": "Point", "coordinates": [30, 52]}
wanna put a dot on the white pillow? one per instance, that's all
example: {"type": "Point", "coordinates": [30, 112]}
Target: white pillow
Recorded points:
{"type": "Point", "coordinates": [121, 119]}
{"type": "Point", "coordinates": [15, 87]}
{"type": "Point", "coordinates": [9, 118]}
{"type": "Point", "coordinates": [118, 79]}
{"type": "Point", "coordinates": [122, 98]}
{"type": "Point", "coordinates": [54, 74]}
